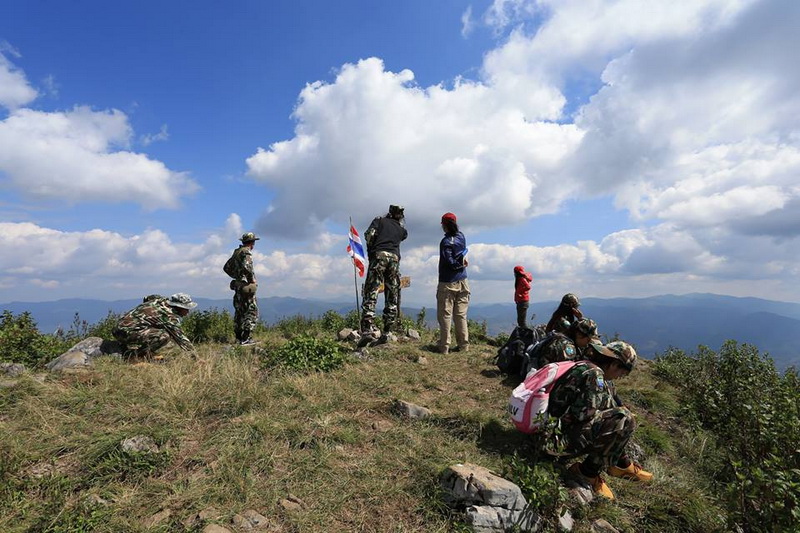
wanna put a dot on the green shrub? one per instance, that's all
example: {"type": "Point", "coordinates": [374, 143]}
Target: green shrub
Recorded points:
{"type": "Point", "coordinates": [539, 483]}
{"type": "Point", "coordinates": [332, 321]}
{"type": "Point", "coordinates": [308, 354]}
{"type": "Point", "coordinates": [21, 341]}
{"type": "Point", "coordinates": [754, 412]}
{"type": "Point", "coordinates": [105, 326]}
{"type": "Point", "coordinates": [477, 331]}
{"type": "Point", "coordinates": [296, 326]}
{"type": "Point", "coordinates": [211, 325]}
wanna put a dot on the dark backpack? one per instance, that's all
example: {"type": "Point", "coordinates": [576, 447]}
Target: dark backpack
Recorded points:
{"type": "Point", "coordinates": [533, 353]}
{"type": "Point", "coordinates": [230, 266]}
{"type": "Point", "coordinates": [512, 357]}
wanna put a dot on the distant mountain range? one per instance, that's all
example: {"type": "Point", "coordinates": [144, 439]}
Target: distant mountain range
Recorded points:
{"type": "Point", "coordinates": [651, 324]}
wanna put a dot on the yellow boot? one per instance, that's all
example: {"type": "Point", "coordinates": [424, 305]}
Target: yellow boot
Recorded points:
{"type": "Point", "coordinates": [598, 484]}
{"type": "Point", "coordinates": [634, 471]}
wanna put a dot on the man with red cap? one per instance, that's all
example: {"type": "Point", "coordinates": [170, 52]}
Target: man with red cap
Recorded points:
{"type": "Point", "coordinates": [452, 292]}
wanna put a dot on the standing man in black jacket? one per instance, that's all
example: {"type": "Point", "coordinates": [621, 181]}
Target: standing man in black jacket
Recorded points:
{"type": "Point", "coordinates": [383, 238]}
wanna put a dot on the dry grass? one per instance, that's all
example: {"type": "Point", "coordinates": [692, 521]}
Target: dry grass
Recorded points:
{"type": "Point", "coordinates": [236, 437]}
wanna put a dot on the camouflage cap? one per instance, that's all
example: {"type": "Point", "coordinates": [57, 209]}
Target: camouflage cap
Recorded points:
{"type": "Point", "coordinates": [587, 327]}
{"type": "Point", "coordinates": [570, 300]}
{"type": "Point", "coordinates": [249, 237]}
{"type": "Point", "coordinates": [624, 352]}
{"type": "Point", "coordinates": [181, 300]}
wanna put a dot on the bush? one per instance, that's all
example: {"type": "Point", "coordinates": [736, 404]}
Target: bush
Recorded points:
{"type": "Point", "coordinates": [308, 354]}
{"type": "Point", "coordinates": [211, 325]}
{"type": "Point", "coordinates": [21, 341]}
{"type": "Point", "coordinates": [105, 327]}
{"type": "Point", "coordinates": [755, 414]}
{"type": "Point", "coordinates": [539, 483]}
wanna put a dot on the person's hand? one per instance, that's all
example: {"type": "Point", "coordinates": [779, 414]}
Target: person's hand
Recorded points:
{"type": "Point", "coordinates": [466, 262]}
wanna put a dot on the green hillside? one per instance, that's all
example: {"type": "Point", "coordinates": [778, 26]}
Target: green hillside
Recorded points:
{"type": "Point", "coordinates": [261, 429]}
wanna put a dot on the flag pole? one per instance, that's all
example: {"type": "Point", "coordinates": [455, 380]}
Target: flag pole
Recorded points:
{"type": "Point", "coordinates": [355, 279]}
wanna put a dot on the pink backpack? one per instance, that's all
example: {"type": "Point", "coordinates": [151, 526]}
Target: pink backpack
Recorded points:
{"type": "Point", "coordinates": [531, 398]}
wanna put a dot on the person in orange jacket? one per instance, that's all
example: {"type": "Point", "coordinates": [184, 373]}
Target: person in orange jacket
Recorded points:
{"type": "Point", "coordinates": [522, 288]}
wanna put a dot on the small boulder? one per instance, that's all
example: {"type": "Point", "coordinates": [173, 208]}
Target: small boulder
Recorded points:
{"type": "Point", "coordinates": [344, 334]}
{"type": "Point", "coordinates": [69, 360]}
{"type": "Point", "coordinates": [292, 503]}
{"type": "Point", "coordinates": [601, 526]}
{"type": "Point", "coordinates": [566, 522]}
{"type": "Point", "coordinates": [468, 484]}
{"type": "Point", "coordinates": [139, 444]}
{"type": "Point", "coordinates": [12, 370]}
{"type": "Point", "coordinates": [414, 334]}
{"type": "Point", "coordinates": [410, 410]}
{"type": "Point", "coordinates": [250, 519]}
{"type": "Point", "coordinates": [488, 519]}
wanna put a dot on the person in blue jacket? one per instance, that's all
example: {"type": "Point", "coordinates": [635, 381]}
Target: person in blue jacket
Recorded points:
{"type": "Point", "coordinates": [452, 292]}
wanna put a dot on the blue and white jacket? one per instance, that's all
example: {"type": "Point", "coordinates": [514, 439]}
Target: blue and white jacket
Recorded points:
{"type": "Point", "coordinates": [452, 250]}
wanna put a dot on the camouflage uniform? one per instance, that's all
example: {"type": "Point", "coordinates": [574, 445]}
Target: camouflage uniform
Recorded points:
{"type": "Point", "coordinates": [245, 305]}
{"type": "Point", "coordinates": [383, 238]}
{"type": "Point", "coordinates": [384, 268]}
{"type": "Point", "coordinates": [150, 326]}
{"type": "Point", "coordinates": [583, 409]}
{"type": "Point", "coordinates": [559, 348]}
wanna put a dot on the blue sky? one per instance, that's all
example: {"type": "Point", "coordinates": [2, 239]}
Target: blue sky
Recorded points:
{"type": "Point", "coordinates": [615, 148]}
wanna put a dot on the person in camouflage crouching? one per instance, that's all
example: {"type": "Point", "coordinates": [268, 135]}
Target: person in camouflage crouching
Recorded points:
{"type": "Point", "coordinates": [245, 305]}
{"type": "Point", "coordinates": [570, 346]}
{"type": "Point", "coordinates": [587, 417]}
{"type": "Point", "coordinates": [383, 238]}
{"type": "Point", "coordinates": [148, 327]}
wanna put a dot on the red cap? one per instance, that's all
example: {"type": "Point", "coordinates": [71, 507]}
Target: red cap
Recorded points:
{"type": "Point", "coordinates": [449, 216]}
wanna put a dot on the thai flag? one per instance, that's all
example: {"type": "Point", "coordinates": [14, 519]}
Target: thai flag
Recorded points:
{"type": "Point", "coordinates": [356, 251]}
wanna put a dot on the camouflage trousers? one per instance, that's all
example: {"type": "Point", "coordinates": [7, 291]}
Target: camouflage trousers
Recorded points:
{"type": "Point", "coordinates": [383, 268]}
{"type": "Point", "coordinates": [245, 315]}
{"type": "Point", "coordinates": [602, 439]}
{"type": "Point", "coordinates": [141, 342]}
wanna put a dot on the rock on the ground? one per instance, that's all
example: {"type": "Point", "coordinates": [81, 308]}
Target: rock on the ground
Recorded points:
{"type": "Point", "coordinates": [82, 354]}
{"type": "Point", "coordinates": [354, 336]}
{"type": "Point", "coordinates": [344, 334]}
{"type": "Point", "coordinates": [422, 360]}
{"type": "Point", "coordinates": [565, 521]}
{"type": "Point", "coordinates": [468, 484]}
{"type": "Point", "coordinates": [139, 444]}
{"type": "Point", "coordinates": [411, 410]}
{"type": "Point", "coordinates": [69, 360]}
{"type": "Point", "coordinates": [488, 519]}
{"type": "Point", "coordinates": [601, 526]}
{"type": "Point", "coordinates": [12, 370]}
{"type": "Point", "coordinates": [414, 334]}
{"type": "Point", "coordinates": [292, 503]}
{"type": "Point", "coordinates": [250, 519]}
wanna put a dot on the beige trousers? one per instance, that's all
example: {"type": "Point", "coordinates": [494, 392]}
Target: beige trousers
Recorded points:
{"type": "Point", "coordinates": [452, 300]}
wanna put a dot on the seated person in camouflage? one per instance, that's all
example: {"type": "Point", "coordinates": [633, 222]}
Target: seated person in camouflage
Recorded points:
{"type": "Point", "coordinates": [569, 346]}
{"type": "Point", "coordinates": [152, 324]}
{"type": "Point", "coordinates": [566, 314]}
{"type": "Point", "coordinates": [590, 420]}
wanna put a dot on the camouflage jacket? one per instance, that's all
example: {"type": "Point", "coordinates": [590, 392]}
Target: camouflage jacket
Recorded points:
{"type": "Point", "coordinates": [243, 260]}
{"type": "Point", "coordinates": [155, 313]}
{"type": "Point", "coordinates": [560, 348]}
{"type": "Point", "coordinates": [580, 393]}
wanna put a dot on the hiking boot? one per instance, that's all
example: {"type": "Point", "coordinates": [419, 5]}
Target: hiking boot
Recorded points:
{"type": "Point", "coordinates": [598, 484]}
{"type": "Point", "coordinates": [366, 339]}
{"type": "Point", "coordinates": [464, 348]}
{"type": "Point", "coordinates": [444, 349]}
{"type": "Point", "coordinates": [634, 472]}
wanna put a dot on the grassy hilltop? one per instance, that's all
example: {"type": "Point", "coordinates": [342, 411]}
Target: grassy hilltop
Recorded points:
{"type": "Point", "coordinates": [266, 428]}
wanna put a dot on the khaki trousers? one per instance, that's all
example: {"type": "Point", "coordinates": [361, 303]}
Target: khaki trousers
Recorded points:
{"type": "Point", "coordinates": [452, 300]}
